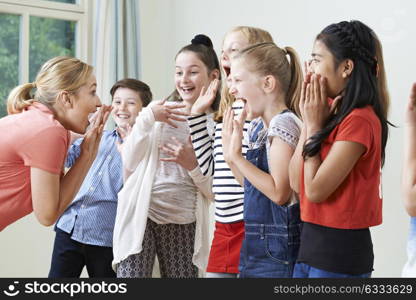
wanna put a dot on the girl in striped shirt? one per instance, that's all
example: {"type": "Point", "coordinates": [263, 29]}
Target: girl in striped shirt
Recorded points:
{"type": "Point", "coordinates": [229, 193]}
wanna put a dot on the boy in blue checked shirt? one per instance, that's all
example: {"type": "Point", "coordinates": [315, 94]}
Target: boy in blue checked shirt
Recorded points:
{"type": "Point", "coordinates": [84, 233]}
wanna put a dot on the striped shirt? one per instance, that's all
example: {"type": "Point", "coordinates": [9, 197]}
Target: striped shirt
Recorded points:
{"type": "Point", "coordinates": [92, 213]}
{"type": "Point", "coordinates": [229, 195]}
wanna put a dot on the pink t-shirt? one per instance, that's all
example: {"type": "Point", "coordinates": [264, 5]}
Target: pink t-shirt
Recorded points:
{"type": "Point", "coordinates": [32, 138]}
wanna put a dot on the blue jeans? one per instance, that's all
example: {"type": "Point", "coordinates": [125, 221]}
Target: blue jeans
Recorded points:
{"type": "Point", "coordinates": [69, 258]}
{"type": "Point", "coordinates": [303, 270]}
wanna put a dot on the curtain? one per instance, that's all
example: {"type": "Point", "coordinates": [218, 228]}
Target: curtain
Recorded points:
{"type": "Point", "coordinates": [116, 44]}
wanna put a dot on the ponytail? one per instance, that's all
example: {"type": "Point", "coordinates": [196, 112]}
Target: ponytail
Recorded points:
{"type": "Point", "coordinates": [296, 79]}
{"type": "Point", "coordinates": [58, 74]}
{"type": "Point", "coordinates": [269, 59]}
{"type": "Point", "coordinates": [227, 100]}
{"type": "Point", "coordinates": [19, 98]}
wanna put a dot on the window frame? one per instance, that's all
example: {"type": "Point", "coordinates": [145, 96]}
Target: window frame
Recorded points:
{"type": "Point", "coordinates": [78, 12]}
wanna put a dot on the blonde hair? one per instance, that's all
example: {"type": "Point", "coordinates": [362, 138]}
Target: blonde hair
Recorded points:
{"type": "Point", "coordinates": [254, 36]}
{"type": "Point", "coordinates": [268, 59]}
{"type": "Point", "coordinates": [58, 74]}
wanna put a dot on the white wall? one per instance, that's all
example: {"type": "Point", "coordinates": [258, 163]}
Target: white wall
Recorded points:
{"type": "Point", "coordinates": [167, 25]}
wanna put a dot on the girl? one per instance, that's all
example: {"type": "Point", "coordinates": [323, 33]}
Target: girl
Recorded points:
{"type": "Point", "coordinates": [263, 76]}
{"type": "Point", "coordinates": [229, 226]}
{"type": "Point", "coordinates": [337, 170]}
{"type": "Point", "coordinates": [409, 269]}
{"type": "Point", "coordinates": [35, 139]}
{"type": "Point", "coordinates": [163, 205]}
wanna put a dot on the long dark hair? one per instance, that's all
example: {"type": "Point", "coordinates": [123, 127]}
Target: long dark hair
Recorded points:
{"type": "Point", "coordinates": [356, 41]}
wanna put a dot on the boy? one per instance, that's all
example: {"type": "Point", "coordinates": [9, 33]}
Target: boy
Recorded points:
{"type": "Point", "coordinates": [84, 233]}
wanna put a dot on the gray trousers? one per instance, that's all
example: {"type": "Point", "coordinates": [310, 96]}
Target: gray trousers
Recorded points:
{"type": "Point", "coordinates": [174, 246]}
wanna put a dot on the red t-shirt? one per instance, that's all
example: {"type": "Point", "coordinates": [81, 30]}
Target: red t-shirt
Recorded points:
{"type": "Point", "coordinates": [32, 138]}
{"type": "Point", "coordinates": [357, 202]}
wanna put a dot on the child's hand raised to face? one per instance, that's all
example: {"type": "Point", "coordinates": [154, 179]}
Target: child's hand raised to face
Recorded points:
{"type": "Point", "coordinates": [232, 134]}
{"type": "Point", "coordinates": [206, 98]}
{"type": "Point", "coordinates": [168, 112]}
{"type": "Point", "coordinates": [314, 106]}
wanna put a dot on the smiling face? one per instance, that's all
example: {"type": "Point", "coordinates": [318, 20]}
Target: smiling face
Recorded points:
{"type": "Point", "coordinates": [191, 75]}
{"type": "Point", "coordinates": [233, 42]}
{"type": "Point", "coordinates": [247, 86]}
{"type": "Point", "coordinates": [126, 106]}
{"type": "Point", "coordinates": [323, 63]}
{"type": "Point", "coordinates": [85, 102]}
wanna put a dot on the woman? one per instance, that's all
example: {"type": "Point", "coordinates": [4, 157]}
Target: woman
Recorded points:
{"type": "Point", "coordinates": [35, 138]}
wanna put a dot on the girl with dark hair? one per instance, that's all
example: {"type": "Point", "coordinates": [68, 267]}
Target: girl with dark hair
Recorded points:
{"type": "Point", "coordinates": [337, 164]}
{"type": "Point", "coordinates": [163, 205]}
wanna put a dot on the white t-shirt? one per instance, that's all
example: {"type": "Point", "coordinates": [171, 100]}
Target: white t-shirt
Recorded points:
{"type": "Point", "coordinates": [286, 126]}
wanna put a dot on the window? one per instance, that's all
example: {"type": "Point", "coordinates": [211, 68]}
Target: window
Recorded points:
{"type": "Point", "coordinates": [9, 56]}
{"type": "Point", "coordinates": [48, 38]}
{"type": "Point", "coordinates": [33, 31]}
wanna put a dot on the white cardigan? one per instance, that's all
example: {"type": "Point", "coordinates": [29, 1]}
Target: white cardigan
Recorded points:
{"type": "Point", "coordinates": [140, 156]}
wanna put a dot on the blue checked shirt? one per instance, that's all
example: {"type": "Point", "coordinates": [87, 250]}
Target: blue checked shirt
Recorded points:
{"type": "Point", "coordinates": [92, 213]}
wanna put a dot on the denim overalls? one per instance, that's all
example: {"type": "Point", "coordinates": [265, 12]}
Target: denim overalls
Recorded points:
{"type": "Point", "coordinates": [272, 232]}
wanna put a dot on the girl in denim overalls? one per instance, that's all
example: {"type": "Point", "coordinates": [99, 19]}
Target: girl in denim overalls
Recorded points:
{"type": "Point", "coordinates": [268, 79]}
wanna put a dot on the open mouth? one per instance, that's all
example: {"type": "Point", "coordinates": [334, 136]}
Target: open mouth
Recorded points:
{"type": "Point", "coordinates": [188, 90]}
{"type": "Point", "coordinates": [123, 116]}
{"type": "Point", "coordinates": [240, 102]}
{"type": "Point", "coordinates": [227, 70]}
{"type": "Point", "coordinates": [244, 101]}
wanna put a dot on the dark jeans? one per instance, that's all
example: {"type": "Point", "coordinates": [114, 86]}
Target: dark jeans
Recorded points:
{"type": "Point", "coordinates": [69, 258]}
{"type": "Point", "coordinates": [303, 270]}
